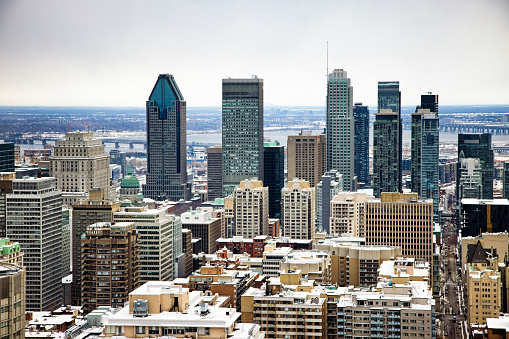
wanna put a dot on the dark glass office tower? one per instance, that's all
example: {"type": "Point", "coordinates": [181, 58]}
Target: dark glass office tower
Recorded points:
{"type": "Point", "coordinates": [361, 116]}
{"type": "Point", "coordinates": [274, 162]}
{"type": "Point", "coordinates": [7, 158]}
{"type": "Point", "coordinates": [424, 150]}
{"type": "Point", "coordinates": [387, 139]}
{"type": "Point", "coordinates": [242, 131]}
{"type": "Point", "coordinates": [166, 143]}
{"type": "Point", "coordinates": [477, 146]}
{"type": "Point", "coordinates": [214, 172]}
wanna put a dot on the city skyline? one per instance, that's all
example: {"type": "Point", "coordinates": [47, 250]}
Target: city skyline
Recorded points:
{"type": "Point", "coordinates": [284, 43]}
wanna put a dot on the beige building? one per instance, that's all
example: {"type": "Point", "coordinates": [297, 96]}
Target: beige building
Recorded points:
{"type": "Point", "coordinates": [348, 213]}
{"type": "Point", "coordinates": [401, 219]}
{"type": "Point", "coordinates": [229, 218]}
{"type": "Point", "coordinates": [306, 157]}
{"type": "Point", "coordinates": [159, 308]}
{"type": "Point", "coordinates": [110, 261]}
{"type": "Point", "coordinates": [251, 209]}
{"type": "Point", "coordinates": [12, 300]}
{"type": "Point", "coordinates": [356, 265]}
{"type": "Point", "coordinates": [80, 163]}
{"type": "Point", "coordinates": [483, 300]}
{"type": "Point", "coordinates": [316, 265]}
{"type": "Point", "coordinates": [298, 202]}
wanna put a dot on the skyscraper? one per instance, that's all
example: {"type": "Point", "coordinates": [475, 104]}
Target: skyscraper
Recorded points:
{"type": "Point", "coordinates": [424, 150]}
{"type": "Point", "coordinates": [34, 219]}
{"type": "Point", "coordinates": [298, 209]}
{"type": "Point", "coordinates": [361, 117]}
{"type": "Point", "coordinates": [166, 142]}
{"type": "Point", "coordinates": [7, 157]}
{"type": "Point", "coordinates": [274, 162]}
{"type": "Point", "coordinates": [214, 172]}
{"type": "Point", "coordinates": [306, 157]}
{"type": "Point", "coordinates": [387, 139]}
{"type": "Point", "coordinates": [340, 127]}
{"type": "Point", "coordinates": [251, 209]}
{"type": "Point", "coordinates": [242, 131]}
{"type": "Point", "coordinates": [477, 146]}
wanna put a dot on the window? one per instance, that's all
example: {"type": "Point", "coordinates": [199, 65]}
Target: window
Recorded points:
{"type": "Point", "coordinates": [140, 329]}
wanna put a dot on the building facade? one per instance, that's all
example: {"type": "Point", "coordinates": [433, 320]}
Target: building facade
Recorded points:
{"type": "Point", "coordinates": [361, 143]}
{"type": "Point", "coordinates": [306, 157]}
{"type": "Point", "coordinates": [299, 209]}
{"type": "Point", "coordinates": [506, 180]}
{"type": "Point", "coordinates": [251, 206]}
{"type": "Point", "coordinates": [478, 146]}
{"type": "Point", "coordinates": [7, 157]}
{"type": "Point", "coordinates": [424, 150]}
{"type": "Point", "coordinates": [331, 184]}
{"type": "Point", "coordinates": [387, 139]}
{"type": "Point", "coordinates": [214, 172]}
{"type": "Point", "coordinates": [109, 282]}
{"type": "Point", "coordinates": [203, 225]}
{"type": "Point", "coordinates": [85, 213]}
{"type": "Point", "coordinates": [340, 127]}
{"type": "Point", "coordinates": [80, 163]}
{"type": "Point", "coordinates": [242, 131]}
{"type": "Point", "coordinates": [12, 299]}
{"type": "Point", "coordinates": [274, 162]}
{"type": "Point", "coordinates": [348, 214]}
{"type": "Point", "coordinates": [34, 220]}
{"type": "Point", "coordinates": [166, 142]}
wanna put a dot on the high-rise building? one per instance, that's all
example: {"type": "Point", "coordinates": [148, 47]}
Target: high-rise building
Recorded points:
{"type": "Point", "coordinates": [424, 150]}
{"type": "Point", "coordinates": [119, 158]}
{"type": "Point", "coordinates": [477, 146]}
{"type": "Point", "coordinates": [242, 131]}
{"type": "Point", "coordinates": [470, 183]}
{"type": "Point", "coordinates": [361, 117]}
{"type": "Point", "coordinates": [80, 163]}
{"type": "Point", "coordinates": [34, 219]}
{"type": "Point", "coordinates": [348, 214]}
{"type": "Point", "coordinates": [109, 282]}
{"type": "Point", "coordinates": [187, 249]}
{"type": "Point", "coordinates": [306, 157]}
{"type": "Point", "coordinates": [7, 157]}
{"type": "Point", "coordinates": [251, 206]}
{"type": "Point", "coordinates": [166, 142]}
{"type": "Point", "coordinates": [387, 139]}
{"type": "Point", "coordinates": [155, 230]}
{"type": "Point", "coordinates": [298, 209]}
{"type": "Point", "coordinates": [274, 162]}
{"type": "Point", "coordinates": [202, 225]}
{"type": "Point", "coordinates": [13, 281]}
{"type": "Point", "coordinates": [214, 172]}
{"type": "Point", "coordinates": [85, 213]}
{"type": "Point", "coordinates": [5, 188]}
{"type": "Point", "coordinates": [401, 219]}
{"type": "Point", "coordinates": [506, 180]}
{"type": "Point", "coordinates": [340, 127]}
{"type": "Point", "coordinates": [331, 184]}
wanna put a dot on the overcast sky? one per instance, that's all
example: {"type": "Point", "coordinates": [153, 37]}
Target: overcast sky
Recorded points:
{"type": "Point", "coordinates": [109, 53]}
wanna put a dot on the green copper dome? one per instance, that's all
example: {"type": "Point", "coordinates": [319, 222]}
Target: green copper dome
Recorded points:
{"type": "Point", "coordinates": [129, 180]}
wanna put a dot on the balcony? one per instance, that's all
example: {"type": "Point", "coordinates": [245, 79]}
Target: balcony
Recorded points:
{"type": "Point", "coordinates": [376, 322]}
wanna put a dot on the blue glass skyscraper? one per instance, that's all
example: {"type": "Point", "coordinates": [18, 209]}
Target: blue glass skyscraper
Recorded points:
{"type": "Point", "coordinates": [166, 142]}
{"type": "Point", "coordinates": [361, 117]}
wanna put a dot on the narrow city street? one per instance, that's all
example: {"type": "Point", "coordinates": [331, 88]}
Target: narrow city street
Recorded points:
{"type": "Point", "coordinates": [452, 303]}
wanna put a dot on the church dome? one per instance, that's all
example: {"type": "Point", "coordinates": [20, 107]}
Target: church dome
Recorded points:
{"type": "Point", "coordinates": [129, 181]}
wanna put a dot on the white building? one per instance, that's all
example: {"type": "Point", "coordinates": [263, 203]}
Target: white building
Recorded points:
{"type": "Point", "coordinates": [298, 200]}
{"type": "Point", "coordinates": [251, 209]}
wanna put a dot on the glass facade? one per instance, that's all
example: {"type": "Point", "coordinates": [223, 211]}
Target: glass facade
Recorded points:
{"type": "Point", "coordinates": [274, 162]}
{"type": "Point", "coordinates": [361, 116]}
{"type": "Point", "coordinates": [340, 126]}
{"type": "Point", "coordinates": [166, 143]}
{"type": "Point", "coordinates": [242, 131]}
{"type": "Point", "coordinates": [7, 158]}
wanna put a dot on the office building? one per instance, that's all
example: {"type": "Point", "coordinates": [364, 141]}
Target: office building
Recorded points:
{"type": "Point", "coordinates": [478, 146]}
{"type": "Point", "coordinates": [298, 207]}
{"type": "Point", "coordinates": [251, 206]}
{"type": "Point", "coordinates": [401, 219]}
{"type": "Point", "coordinates": [242, 131]}
{"type": "Point", "coordinates": [7, 157]}
{"type": "Point", "coordinates": [506, 180]}
{"type": "Point", "coordinates": [470, 182]}
{"type": "Point", "coordinates": [348, 214]}
{"type": "Point", "coordinates": [34, 220]}
{"type": "Point", "coordinates": [162, 309]}
{"type": "Point", "coordinates": [12, 299]}
{"type": "Point", "coordinates": [340, 127]}
{"type": "Point", "coordinates": [109, 282]}
{"type": "Point", "coordinates": [361, 148]}
{"type": "Point", "coordinates": [85, 213]}
{"type": "Point", "coordinates": [187, 249]}
{"type": "Point", "coordinates": [424, 151]}
{"type": "Point", "coordinates": [166, 142]}
{"type": "Point", "coordinates": [330, 185]}
{"type": "Point", "coordinates": [119, 158]}
{"type": "Point", "coordinates": [66, 242]}
{"type": "Point", "coordinates": [274, 162]}
{"type": "Point", "coordinates": [483, 216]}
{"type": "Point", "coordinates": [203, 225]}
{"type": "Point", "coordinates": [5, 188]}
{"type": "Point", "coordinates": [387, 140]}
{"type": "Point", "coordinates": [306, 157]}
{"type": "Point", "coordinates": [214, 172]}
{"type": "Point", "coordinates": [155, 230]}
{"type": "Point", "coordinates": [80, 163]}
